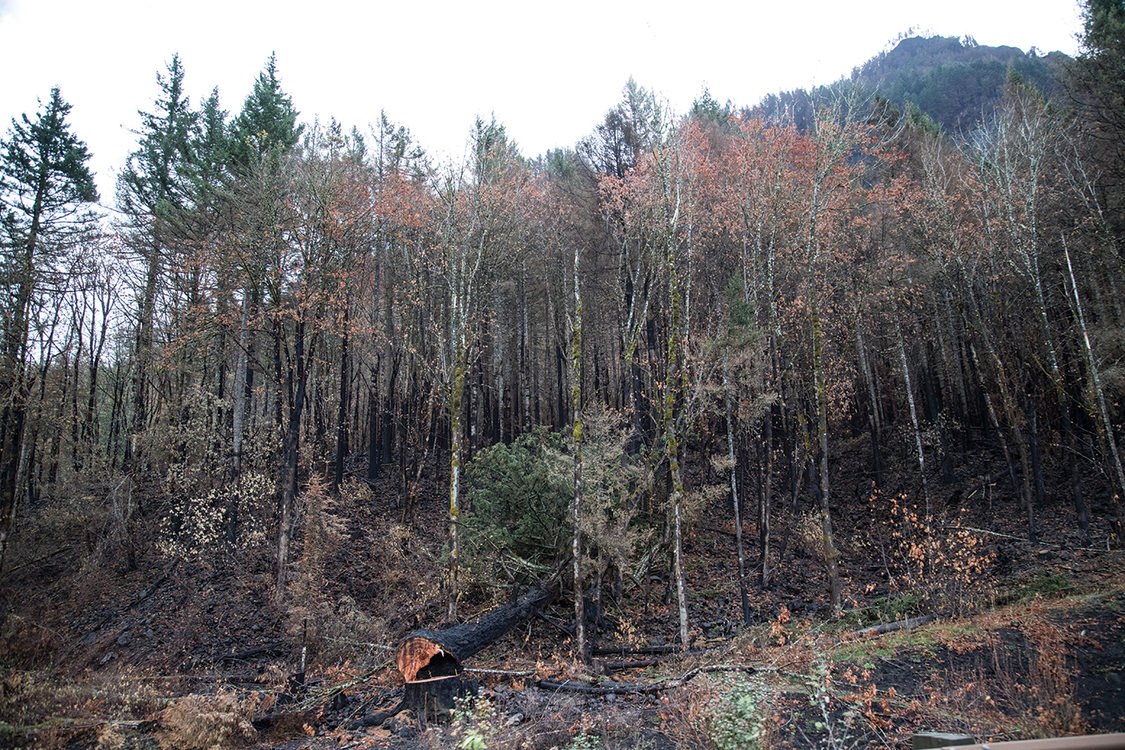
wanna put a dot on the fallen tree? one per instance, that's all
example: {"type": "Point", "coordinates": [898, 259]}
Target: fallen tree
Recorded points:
{"type": "Point", "coordinates": [430, 662]}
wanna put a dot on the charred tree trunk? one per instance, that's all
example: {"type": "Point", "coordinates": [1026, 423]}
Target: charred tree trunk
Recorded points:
{"type": "Point", "coordinates": [430, 661]}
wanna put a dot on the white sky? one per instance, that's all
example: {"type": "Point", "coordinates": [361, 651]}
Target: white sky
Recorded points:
{"type": "Point", "coordinates": [548, 71]}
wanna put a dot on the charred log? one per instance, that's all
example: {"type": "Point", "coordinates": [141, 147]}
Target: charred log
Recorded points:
{"type": "Point", "coordinates": [430, 661]}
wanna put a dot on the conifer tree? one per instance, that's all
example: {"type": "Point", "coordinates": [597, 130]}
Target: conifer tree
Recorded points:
{"type": "Point", "coordinates": [44, 182]}
{"type": "Point", "coordinates": [153, 191]}
{"type": "Point", "coordinates": [267, 122]}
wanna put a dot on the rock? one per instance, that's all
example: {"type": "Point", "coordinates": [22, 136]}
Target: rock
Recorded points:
{"type": "Point", "coordinates": [514, 719]}
{"type": "Point", "coordinates": [105, 659]}
{"type": "Point", "coordinates": [124, 639]}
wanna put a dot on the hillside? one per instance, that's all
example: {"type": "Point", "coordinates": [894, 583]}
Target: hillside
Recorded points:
{"type": "Point", "coordinates": [957, 82]}
{"type": "Point", "coordinates": [714, 431]}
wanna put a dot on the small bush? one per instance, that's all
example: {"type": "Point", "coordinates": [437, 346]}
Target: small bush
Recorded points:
{"type": "Point", "coordinates": [943, 561]}
{"type": "Point", "coordinates": [741, 715]}
{"type": "Point", "coordinates": [1046, 585]}
{"type": "Point", "coordinates": [884, 610]}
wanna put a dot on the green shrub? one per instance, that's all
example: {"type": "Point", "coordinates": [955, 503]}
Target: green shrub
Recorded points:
{"type": "Point", "coordinates": [516, 528]}
{"type": "Point", "coordinates": [741, 714]}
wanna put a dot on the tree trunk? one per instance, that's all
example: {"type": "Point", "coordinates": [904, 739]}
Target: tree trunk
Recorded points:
{"type": "Point", "coordinates": [1099, 398]}
{"type": "Point", "coordinates": [921, 456]}
{"type": "Point", "coordinates": [342, 410]}
{"type": "Point", "coordinates": [456, 405]}
{"type": "Point", "coordinates": [732, 457]}
{"type": "Point", "coordinates": [576, 500]}
{"type": "Point", "coordinates": [431, 661]}
{"type": "Point", "coordinates": [292, 451]}
{"type": "Point", "coordinates": [830, 553]}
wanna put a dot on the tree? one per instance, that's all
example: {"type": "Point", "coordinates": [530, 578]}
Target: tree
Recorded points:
{"type": "Point", "coordinates": [831, 171]}
{"type": "Point", "coordinates": [475, 214]}
{"type": "Point", "coordinates": [1098, 84]}
{"type": "Point", "coordinates": [152, 191]}
{"type": "Point", "coordinates": [267, 122]}
{"type": "Point", "coordinates": [44, 183]}
{"type": "Point", "coordinates": [324, 222]}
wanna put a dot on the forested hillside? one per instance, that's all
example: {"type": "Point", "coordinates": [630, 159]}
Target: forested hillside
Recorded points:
{"type": "Point", "coordinates": [956, 82]}
{"type": "Point", "coordinates": [307, 391]}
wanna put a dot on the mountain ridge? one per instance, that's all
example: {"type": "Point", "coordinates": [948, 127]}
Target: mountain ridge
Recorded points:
{"type": "Point", "coordinates": [955, 81]}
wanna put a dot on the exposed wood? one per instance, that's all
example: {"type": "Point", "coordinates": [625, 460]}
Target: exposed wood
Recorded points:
{"type": "Point", "coordinates": [418, 650]}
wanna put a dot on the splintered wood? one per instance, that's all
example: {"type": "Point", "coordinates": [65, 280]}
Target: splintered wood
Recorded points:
{"type": "Point", "coordinates": [414, 654]}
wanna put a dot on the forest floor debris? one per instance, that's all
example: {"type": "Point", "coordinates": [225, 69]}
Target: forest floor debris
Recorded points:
{"type": "Point", "coordinates": [203, 656]}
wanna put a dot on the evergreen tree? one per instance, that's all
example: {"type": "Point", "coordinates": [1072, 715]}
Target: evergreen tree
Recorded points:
{"type": "Point", "coordinates": [44, 182]}
{"type": "Point", "coordinates": [267, 121]}
{"type": "Point", "coordinates": [210, 150]}
{"type": "Point", "coordinates": [1098, 83]}
{"type": "Point", "coordinates": [153, 191]}
{"type": "Point", "coordinates": [155, 180]}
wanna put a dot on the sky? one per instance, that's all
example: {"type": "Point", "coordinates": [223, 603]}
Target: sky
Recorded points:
{"type": "Point", "coordinates": [547, 71]}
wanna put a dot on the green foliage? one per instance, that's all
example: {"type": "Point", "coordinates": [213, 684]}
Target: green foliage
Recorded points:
{"type": "Point", "coordinates": [583, 741]}
{"type": "Point", "coordinates": [611, 481]}
{"type": "Point", "coordinates": [740, 715]}
{"type": "Point", "coordinates": [1104, 26]}
{"type": "Point", "coordinates": [267, 122]}
{"type": "Point", "coordinates": [44, 159]}
{"type": "Point", "coordinates": [516, 528]}
{"type": "Point", "coordinates": [475, 721]}
{"type": "Point", "coordinates": [210, 151]}
{"type": "Point", "coordinates": [1049, 584]}
{"type": "Point", "coordinates": [920, 120]}
{"type": "Point", "coordinates": [1045, 585]}
{"type": "Point", "coordinates": [43, 182]}
{"type": "Point", "coordinates": [706, 109]}
{"type": "Point", "coordinates": [155, 180]}
{"type": "Point", "coordinates": [627, 132]}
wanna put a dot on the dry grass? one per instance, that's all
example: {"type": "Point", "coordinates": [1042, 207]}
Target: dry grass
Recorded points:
{"type": "Point", "coordinates": [44, 708]}
{"type": "Point", "coordinates": [208, 722]}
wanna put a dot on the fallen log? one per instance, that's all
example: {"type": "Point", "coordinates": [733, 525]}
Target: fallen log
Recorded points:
{"type": "Point", "coordinates": [430, 661]}
{"type": "Point", "coordinates": [888, 627]}
{"type": "Point", "coordinates": [607, 687]}
{"type": "Point", "coordinates": [634, 664]}
{"type": "Point", "coordinates": [272, 649]}
{"type": "Point", "coordinates": [604, 688]}
{"type": "Point", "coordinates": [636, 651]}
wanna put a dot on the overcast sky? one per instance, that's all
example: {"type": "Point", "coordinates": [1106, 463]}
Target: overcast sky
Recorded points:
{"type": "Point", "coordinates": [548, 71]}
